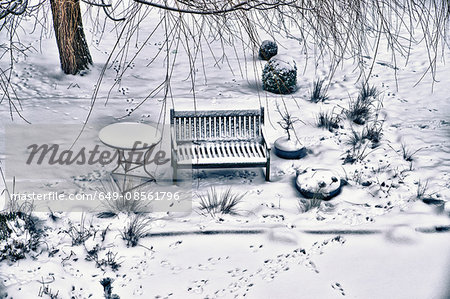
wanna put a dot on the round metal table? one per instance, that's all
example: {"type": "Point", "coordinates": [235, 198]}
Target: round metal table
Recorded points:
{"type": "Point", "coordinates": [129, 138]}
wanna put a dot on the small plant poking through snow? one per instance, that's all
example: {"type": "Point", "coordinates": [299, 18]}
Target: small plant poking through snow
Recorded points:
{"type": "Point", "coordinates": [305, 205]}
{"type": "Point", "coordinates": [107, 288]}
{"type": "Point", "coordinates": [125, 203]}
{"type": "Point", "coordinates": [13, 205]}
{"type": "Point", "coordinates": [373, 132]}
{"type": "Point", "coordinates": [44, 289]}
{"type": "Point", "coordinates": [135, 229]}
{"type": "Point", "coordinates": [287, 121]}
{"type": "Point", "coordinates": [328, 120]}
{"type": "Point", "coordinates": [80, 233]}
{"type": "Point", "coordinates": [359, 147]}
{"type": "Point", "coordinates": [360, 110]}
{"type": "Point", "coordinates": [408, 154]}
{"type": "Point", "coordinates": [110, 259]}
{"type": "Point", "coordinates": [224, 202]}
{"type": "Point", "coordinates": [318, 92]}
{"type": "Point", "coordinates": [422, 189]}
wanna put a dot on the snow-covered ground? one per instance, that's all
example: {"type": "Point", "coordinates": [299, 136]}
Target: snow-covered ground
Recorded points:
{"type": "Point", "coordinates": [373, 241]}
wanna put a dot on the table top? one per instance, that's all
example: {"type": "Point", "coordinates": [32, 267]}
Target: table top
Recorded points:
{"type": "Point", "coordinates": [124, 135]}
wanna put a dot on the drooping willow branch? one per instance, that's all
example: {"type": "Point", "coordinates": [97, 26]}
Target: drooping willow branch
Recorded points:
{"type": "Point", "coordinates": [14, 7]}
{"type": "Point", "coordinates": [211, 10]}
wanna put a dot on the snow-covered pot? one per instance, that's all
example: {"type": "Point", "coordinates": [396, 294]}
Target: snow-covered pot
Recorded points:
{"type": "Point", "coordinates": [318, 183]}
{"type": "Point", "coordinates": [437, 204]}
{"type": "Point", "coordinates": [280, 75]}
{"type": "Point", "coordinates": [268, 49]}
{"type": "Point", "coordinates": [289, 149]}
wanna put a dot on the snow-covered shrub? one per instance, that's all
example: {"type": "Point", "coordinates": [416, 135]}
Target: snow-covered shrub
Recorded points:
{"type": "Point", "coordinates": [18, 236]}
{"type": "Point", "coordinates": [280, 75]}
{"type": "Point", "coordinates": [268, 49]}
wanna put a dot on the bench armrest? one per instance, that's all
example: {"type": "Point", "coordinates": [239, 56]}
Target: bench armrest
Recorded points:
{"type": "Point", "coordinates": [173, 138]}
{"type": "Point", "coordinates": [264, 137]}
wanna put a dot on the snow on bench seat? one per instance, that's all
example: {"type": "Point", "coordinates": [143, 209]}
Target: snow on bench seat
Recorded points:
{"type": "Point", "coordinates": [219, 139]}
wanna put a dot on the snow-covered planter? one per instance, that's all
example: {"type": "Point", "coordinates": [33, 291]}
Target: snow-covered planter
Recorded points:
{"type": "Point", "coordinates": [289, 148]}
{"type": "Point", "coordinates": [280, 75]}
{"type": "Point", "coordinates": [318, 183]}
{"type": "Point", "coordinates": [268, 49]}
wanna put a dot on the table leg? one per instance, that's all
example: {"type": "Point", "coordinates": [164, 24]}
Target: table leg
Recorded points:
{"type": "Point", "coordinates": [126, 166]}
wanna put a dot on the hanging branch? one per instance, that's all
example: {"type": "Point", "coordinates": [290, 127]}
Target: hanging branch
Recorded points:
{"type": "Point", "coordinates": [205, 10]}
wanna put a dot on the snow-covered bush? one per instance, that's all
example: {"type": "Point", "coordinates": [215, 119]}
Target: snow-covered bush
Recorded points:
{"type": "Point", "coordinates": [18, 236]}
{"type": "Point", "coordinates": [268, 49]}
{"type": "Point", "coordinates": [280, 75]}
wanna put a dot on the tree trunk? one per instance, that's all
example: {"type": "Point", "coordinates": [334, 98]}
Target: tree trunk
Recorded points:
{"type": "Point", "coordinates": [73, 49]}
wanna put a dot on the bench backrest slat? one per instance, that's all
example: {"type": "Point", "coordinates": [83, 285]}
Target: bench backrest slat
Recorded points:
{"type": "Point", "coordinates": [217, 125]}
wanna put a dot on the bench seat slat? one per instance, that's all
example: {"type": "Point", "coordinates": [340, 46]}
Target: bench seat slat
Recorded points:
{"type": "Point", "coordinates": [221, 151]}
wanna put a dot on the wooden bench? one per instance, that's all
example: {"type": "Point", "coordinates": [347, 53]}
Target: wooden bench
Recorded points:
{"type": "Point", "coordinates": [219, 139]}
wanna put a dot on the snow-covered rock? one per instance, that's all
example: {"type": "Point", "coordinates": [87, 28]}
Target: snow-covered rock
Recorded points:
{"type": "Point", "coordinates": [280, 75]}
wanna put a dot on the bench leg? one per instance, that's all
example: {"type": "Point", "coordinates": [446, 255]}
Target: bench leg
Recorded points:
{"type": "Point", "coordinates": [268, 171]}
{"type": "Point", "coordinates": [175, 174]}
{"type": "Point", "coordinates": [268, 166]}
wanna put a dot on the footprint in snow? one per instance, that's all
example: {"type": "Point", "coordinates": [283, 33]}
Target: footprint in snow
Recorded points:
{"type": "Point", "coordinates": [338, 287]}
{"type": "Point", "coordinates": [197, 288]}
{"type": "Point", "coordinates": [175, 245]}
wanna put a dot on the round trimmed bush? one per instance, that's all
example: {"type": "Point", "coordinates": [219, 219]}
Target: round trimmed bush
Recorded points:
{"type": "Point", "coordinates": [280, 75]}
{"type": "Point", "coordinates": [268, 49]}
